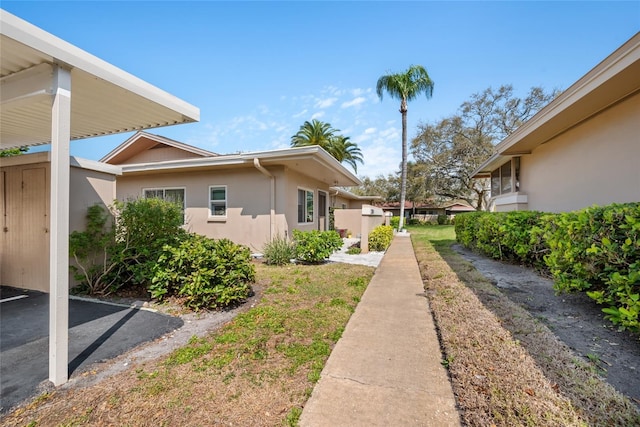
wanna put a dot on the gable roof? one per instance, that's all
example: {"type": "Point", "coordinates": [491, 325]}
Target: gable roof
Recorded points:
{"type": "Point", "coordinates": [614, 79]}
{"type": "Point", "coordinates": [311, 161]}
{"type": "Point", "coordinates": [142, 141]}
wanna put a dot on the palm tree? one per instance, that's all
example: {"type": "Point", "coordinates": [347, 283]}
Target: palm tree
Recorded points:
{"type": "Point", "coordinates": [322, 134]}
{"type": "Point", "coordinates": [345, 151]}
{"type": "Point", "coordinates": [406, 87]}
{"type": "Point", "coordinates": [313, 132]}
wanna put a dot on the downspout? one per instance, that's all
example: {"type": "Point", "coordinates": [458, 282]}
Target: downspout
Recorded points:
{"type": "Point", "coordinates": [272, 213]}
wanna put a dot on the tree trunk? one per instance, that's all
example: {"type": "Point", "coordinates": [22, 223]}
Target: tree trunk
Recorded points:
{"type": "Point", "coordinates": [403, 179]}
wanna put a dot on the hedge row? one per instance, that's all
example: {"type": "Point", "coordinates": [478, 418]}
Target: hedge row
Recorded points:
{"type": "Point", "coordinates": [595, 250]}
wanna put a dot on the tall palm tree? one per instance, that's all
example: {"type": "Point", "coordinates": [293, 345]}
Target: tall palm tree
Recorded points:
{"type": "Point", "coordinates": [322, 134]}
{"type": "Point", "coordinates": [406, 87]}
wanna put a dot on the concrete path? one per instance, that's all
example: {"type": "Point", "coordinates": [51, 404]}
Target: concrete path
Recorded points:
{"type": "Point", "coordinates": [385, 370]}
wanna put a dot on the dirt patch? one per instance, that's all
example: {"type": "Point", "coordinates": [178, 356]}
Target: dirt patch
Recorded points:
{"type": "Point", "coordinates": [574, 318]}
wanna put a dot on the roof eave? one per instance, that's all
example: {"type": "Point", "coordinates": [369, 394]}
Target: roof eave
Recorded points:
{"type": "Point", "coordinates": [612, 80]}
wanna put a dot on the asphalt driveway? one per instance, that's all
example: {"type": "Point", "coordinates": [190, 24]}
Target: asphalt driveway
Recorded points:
{"type": "Point", "coordinates": [97, 333]}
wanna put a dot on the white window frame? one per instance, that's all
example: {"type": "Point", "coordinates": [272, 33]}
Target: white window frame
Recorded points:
{"type": "Point", "coordinates": [305, 206]}
{"type": "Point", "coordinates": [225, 201]}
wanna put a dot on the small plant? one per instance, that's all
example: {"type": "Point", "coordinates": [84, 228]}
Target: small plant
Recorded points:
{"type": "Point", "coordinates": [380, 238]}
{"type": "Point", "coordinates": [314, 247]}
{"type": "Point", "coordinates": [354, 250]}
{"type": "Point", "coordinates": [92, 252]}
{"type": "Point", "coordinates": [394, 222]}
{"type": "Point", "coordinates": [279, 251]}
{"type": "Point", "coordinates": [443, 220]}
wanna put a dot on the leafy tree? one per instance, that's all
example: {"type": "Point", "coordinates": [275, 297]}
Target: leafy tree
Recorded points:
{"type": "Point", "coordinates": [406, 87]}
{"type": "Point", "coordinates": [9, 152]}
{"type": "Point", "coordinates": [385, 187]}
{"type": "Point", "coordinates": [452, 148]}
{"type": "Point", "coordinates": [319, 133]}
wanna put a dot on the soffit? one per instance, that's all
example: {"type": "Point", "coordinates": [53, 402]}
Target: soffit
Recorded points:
{"type": "Point", "coordinates": [104, 99]}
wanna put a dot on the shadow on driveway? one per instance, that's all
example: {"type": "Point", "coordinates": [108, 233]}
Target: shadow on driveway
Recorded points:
{"type": "Point", "coordinates": [97, 332]}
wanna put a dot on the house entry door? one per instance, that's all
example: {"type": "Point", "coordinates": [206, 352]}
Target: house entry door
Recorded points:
{"type": "Point", "coordinates": [322, 211]}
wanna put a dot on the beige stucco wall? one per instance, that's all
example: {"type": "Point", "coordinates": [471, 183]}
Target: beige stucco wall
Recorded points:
{"type": "Point", "coordinates": [25, 187]}
{"type": "Point", "coordinates": [248, 202]}
{"type": "Point", "coordinates": [348, 219]}
{"type": "Point", "coordinates": [595, 162]}
{"type": "Point", "coordinates": [88, 187]}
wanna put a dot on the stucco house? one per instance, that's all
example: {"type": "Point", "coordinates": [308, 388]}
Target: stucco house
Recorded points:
{"type": "Point", "coordinates": [249, 198]}
{"type": "Point", "coordinates": [582, 149]}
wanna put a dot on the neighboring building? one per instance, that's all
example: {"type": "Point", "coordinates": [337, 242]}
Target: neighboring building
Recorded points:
{"type": "Point", "coordinates": [428, 211]}
{"type": "Point", "coordinates": [582, 149]}
{"type": "Point", "coordinates": [249, 198]}
{"type": "Point", "coordinates": [343, 199]}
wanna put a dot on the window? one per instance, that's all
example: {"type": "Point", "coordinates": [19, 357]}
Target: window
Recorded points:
{"type": "Point", "coordinates": [495, 182]}
{"type": "Point", "coordinates": [506, 179]}
{"type": "Point", "coordinates": [305, 206]}
{"type": "Point", "coordinates": [218, 200]}
{"type": "Point", "coordinates": [175, 195]}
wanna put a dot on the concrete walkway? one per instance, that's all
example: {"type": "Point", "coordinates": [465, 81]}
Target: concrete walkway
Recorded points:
{"type": "Point", "coordinates": [386, 370]}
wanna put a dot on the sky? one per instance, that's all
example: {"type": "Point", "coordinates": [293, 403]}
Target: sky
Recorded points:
{"type": "Point", "coordinates": [259, 70]}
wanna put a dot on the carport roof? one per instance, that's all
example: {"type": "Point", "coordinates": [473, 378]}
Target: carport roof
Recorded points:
{"type": "Point", "coordinates": [105, 99]}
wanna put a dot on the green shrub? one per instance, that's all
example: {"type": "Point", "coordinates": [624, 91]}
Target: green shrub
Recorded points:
{"type": "Point", "coordinates": [112, 255]}
{"type": "Point", "coordinates": [143, 228]}
{"type": "Point", "coordinates": [380, 238]}
{"type": "Point", "coordinates": [207, 273]}
{"type": "Point", "coordinates": [279, 251]}
{"type": "Point", "coordinates": [354, 250]}
{"type": "Point", "coordinates": [505, 236]}
{"type": "Point", "coordinates": [443, 220]}
{"type": "Point", "coordinates": [597, 250]}
{"type": "Point", "coordinates": [394, 222]}
{"type": "Point", "coordinates": [315, 246]}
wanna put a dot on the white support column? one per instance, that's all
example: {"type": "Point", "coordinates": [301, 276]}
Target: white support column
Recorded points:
{"type": "Point", "coordinates": [59, 229]}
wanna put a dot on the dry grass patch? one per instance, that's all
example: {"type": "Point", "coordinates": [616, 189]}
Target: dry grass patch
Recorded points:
{"type": "Point", "coordinates": [258, 369]}
{"type": "Point", "coordinates": [506, 367]}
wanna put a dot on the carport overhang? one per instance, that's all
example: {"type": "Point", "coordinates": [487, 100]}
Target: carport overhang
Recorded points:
{"type": "Point", "coordinates": [53, 92]}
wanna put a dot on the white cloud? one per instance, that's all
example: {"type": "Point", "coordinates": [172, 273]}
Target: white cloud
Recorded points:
{"type": "Point", "coordinates": [380, 158]}
{"type": "Point", "coordinates": [317, 115]}
{"type": "Point", "coordinates": [325, 103]}
{"type": "Point", "coordinates": [369, 131]}
{"type": "Point", "coordinates": [300, 114]}
{"type": "Point", "coordinates": [353, 103]}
